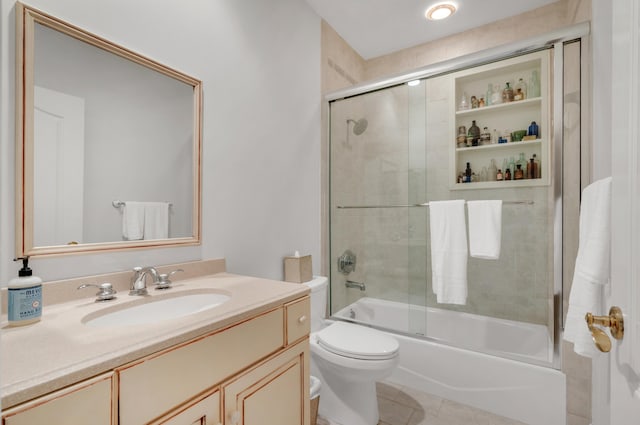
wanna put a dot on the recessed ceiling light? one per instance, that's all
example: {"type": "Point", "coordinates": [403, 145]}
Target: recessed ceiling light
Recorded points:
{"type": "Point", "coordinates": [440, 11]}
{"type": "Point", "coordinates": [413, 83]}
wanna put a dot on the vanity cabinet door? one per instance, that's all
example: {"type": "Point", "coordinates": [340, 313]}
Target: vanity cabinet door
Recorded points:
{"type": "Point", "coordinates": [203, 411]}
{"type": "Point", "coordinates": [89, 402]}
{"type": "Point", "coordinates": [273, 393]}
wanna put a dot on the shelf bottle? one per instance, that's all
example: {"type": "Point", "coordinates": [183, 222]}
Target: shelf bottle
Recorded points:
{"type": "Point", "coordinates": [507, 93]}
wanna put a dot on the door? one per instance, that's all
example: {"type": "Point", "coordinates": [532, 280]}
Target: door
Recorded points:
{"type": "Point", "coordinates": [624, 359]}
{"type": "Point", "coordinates": [274, 393]}
{"type": "Point", "coordinates": [58, 171]}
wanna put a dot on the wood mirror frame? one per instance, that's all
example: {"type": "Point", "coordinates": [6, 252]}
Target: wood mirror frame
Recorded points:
{"type": "Point", "coordinates": [27, 19]}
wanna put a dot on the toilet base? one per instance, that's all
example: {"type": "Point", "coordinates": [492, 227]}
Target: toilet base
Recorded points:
{"type": "Point", "coordinates": [345, 403]}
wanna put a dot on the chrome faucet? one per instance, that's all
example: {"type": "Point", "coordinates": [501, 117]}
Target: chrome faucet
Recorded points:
{"type": "Point", "coordinates": [138, 280]}
{"type": "Point", "coordinates": [352, 284]}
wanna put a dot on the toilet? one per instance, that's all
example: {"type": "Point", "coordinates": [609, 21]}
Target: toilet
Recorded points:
{"type": "Point", "coordinates": [348, 359]}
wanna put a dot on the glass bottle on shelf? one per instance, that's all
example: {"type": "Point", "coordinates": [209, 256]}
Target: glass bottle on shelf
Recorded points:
{"type": "Point", "coordinates": [496, 97]}
{"type": "Point", "coordinates": [489, 95]}
{"type": "Point", "coordinates": [519, 174]}
{"type": "Point", "coordinates": [507, 174]}
{"type": "Point", "coordinates": [536, 167]}
{"type": "Point", "coordinates": [534, 84]}
{"type": "Point", "coordinates": [521, 90]}
{"type": "Point", "coordinates": [461, 140]}
{"type": "Point", "coordinates": [474, 133]}
{"type": "Point", "coordinates": [499, 176]}
{"type": "Point", "coordinates": [464, 105]}
{"type": "Point", "coordinates": [484, 174]}
{"type": "Point", "coordinates": [493, 171]}
{"type": "Point", "coordinates": [512, 165]}
{"type": "Point", "coordinates": [485, 136]}
{"type": "Point", "coordinates": [507, 135]}
{"type": "Point", "coordinates": [467, 173]}
{"type": "Point", "coordinates": [507, 93]}
{"type": "Point", "coordinates": [495, 137]}
{"type": "Point", "coordinates": [522, 164]}
{"type": "Point", "coordinates": [534, 130]}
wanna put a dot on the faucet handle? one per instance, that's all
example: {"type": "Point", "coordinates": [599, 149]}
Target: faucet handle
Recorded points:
{"type": "Point", "coordinates": [163, 279]}
{"type": "Point", "coordinates": [136, 274]}
{"type": "Point", "coordinates": [105, 291]}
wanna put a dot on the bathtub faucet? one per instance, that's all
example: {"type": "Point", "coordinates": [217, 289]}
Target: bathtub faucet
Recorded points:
{"type": "Point", "coordinates": [352, 284]}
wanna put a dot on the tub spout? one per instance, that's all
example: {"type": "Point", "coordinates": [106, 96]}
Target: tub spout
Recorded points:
{"type": "Point", "coordinates": [352, 284]}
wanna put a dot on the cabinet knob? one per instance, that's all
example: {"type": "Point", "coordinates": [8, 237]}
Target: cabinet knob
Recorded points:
{"type": "Point", "coordinates": [301, 319]}
{"type": "Point", "coordinates": [235, 417]}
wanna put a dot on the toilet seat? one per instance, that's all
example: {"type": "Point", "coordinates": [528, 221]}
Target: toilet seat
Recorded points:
{"type": "Point", "coordinates": [357, 342]}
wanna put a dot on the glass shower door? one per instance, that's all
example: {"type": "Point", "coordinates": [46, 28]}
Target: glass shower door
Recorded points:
{"type": "Point", "coordinates": [418, 224]}
{"type": "Point", "coordinates": [369, 218]}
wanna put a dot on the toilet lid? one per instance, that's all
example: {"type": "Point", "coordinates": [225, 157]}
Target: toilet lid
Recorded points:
{"type": "Point", "coordinates": [357, 342]}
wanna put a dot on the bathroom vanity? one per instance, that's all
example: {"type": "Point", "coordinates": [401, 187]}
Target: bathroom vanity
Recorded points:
{"type": "Point", "coordinates": [245, 361]}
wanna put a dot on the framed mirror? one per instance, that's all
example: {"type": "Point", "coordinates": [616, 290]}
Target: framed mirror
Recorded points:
{"type": "Point", "coordinates": [107, 144]}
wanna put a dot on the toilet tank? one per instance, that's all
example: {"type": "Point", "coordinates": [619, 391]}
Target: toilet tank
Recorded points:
{"type": "Point", "coordinates": [318, 287]}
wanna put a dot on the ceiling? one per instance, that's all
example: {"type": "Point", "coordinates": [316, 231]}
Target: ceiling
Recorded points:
{"type": "Point", "coordinates": [378, 27]}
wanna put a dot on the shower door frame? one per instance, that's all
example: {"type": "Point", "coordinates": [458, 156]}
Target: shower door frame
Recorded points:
{"type": "Point", "coordinates": [556, 40]}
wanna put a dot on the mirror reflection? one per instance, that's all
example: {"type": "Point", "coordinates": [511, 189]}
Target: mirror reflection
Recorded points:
{"type": "Point", "coordinates": [110, 148]}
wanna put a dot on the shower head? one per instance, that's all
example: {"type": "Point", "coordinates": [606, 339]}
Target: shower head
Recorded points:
{"type": "Point", "coordinates": [359, 126]}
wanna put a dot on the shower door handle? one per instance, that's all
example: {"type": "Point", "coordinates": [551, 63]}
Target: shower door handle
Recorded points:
{"type": "Point", "coordinates": [614, 321]}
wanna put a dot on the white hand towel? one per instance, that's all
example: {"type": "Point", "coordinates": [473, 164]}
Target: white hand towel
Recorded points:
{"type": "Point", "coordinates": [485, 229]}
{"type": "Point", "coordinates": [592, 269]}
{"type": "Point", "coordinates": [133, 221]}
{"type": "Point", "coordinates": [156, 220]}
{"type": "Point", "coordinates": [448, 251]}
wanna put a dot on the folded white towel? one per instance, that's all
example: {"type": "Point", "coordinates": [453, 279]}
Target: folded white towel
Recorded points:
{"type": "Point", "coordinates": [448, 251]}
{"type": "Point", "coordinates": [133, 221]}
{"type": "Point", "coordinates": [485, 229]}
{"type": "Point", "coordinates": [156, 220]}
{"type": "Point", "coordinates": [592, 269]}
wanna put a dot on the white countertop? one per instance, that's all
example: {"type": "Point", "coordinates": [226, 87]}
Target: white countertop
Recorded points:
{"type": "Point", "coordinates": [60, 350]}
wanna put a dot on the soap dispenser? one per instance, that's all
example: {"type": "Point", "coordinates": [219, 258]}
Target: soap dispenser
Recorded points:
{"type": "Point", "coordinates": [25, 296]}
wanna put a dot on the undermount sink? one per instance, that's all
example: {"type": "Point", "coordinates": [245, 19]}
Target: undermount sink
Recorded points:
{"type": "Point", "coordinates": [155, 310]}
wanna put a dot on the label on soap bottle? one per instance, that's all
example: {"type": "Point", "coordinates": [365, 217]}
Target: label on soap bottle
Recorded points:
{"type": "Point", "coordinates": [25, 303]}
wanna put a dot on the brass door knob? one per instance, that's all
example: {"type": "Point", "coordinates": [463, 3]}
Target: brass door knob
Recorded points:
{"type": "Point", "coordinates": [614, 321]}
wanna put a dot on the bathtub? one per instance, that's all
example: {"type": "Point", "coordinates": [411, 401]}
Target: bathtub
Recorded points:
{"type": "Point", "coordinates": [499, 370]}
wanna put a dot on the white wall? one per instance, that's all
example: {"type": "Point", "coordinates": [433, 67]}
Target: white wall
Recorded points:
{"type": "Point", "coordinates": [260, 66]}
{"type": "Point", "coordinates": [601, 30]}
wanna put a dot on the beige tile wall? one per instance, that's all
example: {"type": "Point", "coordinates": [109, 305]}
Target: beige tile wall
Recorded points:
{"type": "Point", "coordinates": [342, 66]}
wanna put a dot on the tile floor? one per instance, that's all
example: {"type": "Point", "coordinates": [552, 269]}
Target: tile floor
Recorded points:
{"type": "Point", "coordinates": [405, 406]}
